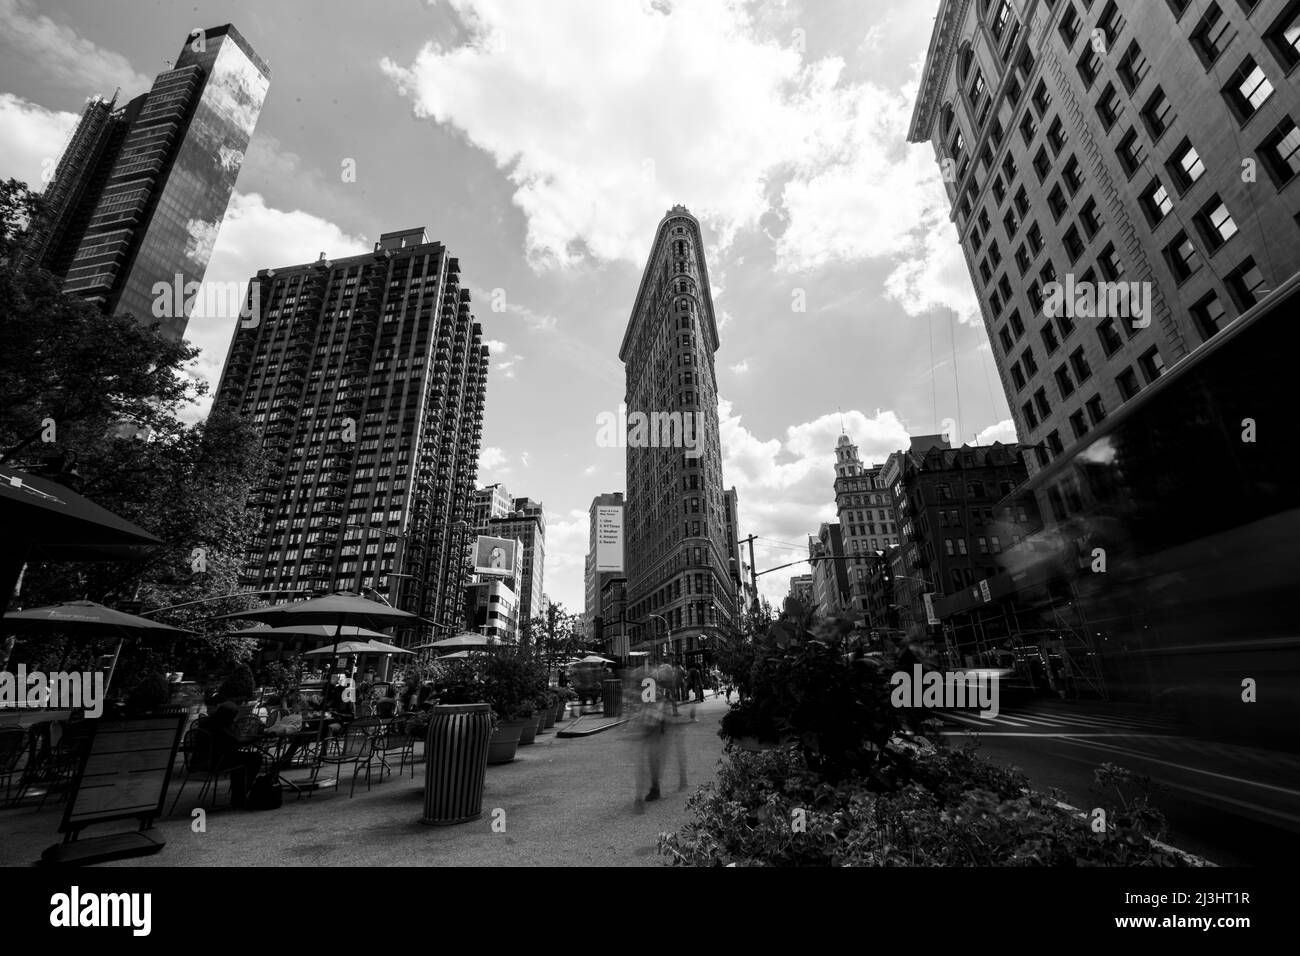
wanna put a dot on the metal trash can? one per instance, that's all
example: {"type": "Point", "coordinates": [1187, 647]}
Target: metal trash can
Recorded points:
{"type": "Point", "coordinates": [613, 697]}
{"type": "Point", "coordinates": [455, 763]}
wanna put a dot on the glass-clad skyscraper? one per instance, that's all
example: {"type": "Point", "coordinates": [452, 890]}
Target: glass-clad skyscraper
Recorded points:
{"type": "Point", "coordinates": [139, 195]}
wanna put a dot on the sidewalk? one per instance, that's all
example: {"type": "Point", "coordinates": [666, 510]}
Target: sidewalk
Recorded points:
{"type": "Point", "coordinates": [566, 802]}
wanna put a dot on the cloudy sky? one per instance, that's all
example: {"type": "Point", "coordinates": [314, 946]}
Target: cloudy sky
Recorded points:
{"type": "Point", "coordinates": [543, 142]}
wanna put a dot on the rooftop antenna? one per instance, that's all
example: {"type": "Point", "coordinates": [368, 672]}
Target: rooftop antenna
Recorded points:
{"type": "Point", "coordinates": [843, 431]}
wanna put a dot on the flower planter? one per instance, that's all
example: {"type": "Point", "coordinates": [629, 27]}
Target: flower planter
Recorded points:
{"type": "Point", "coordinates": [548, 718]}
{"type": "Point", "coordinates": [505, 741]}
{"type": "Point", "coordinates": [529, 734]}
{"type": "Point", "coordinates": [456, 758]}
{"type": "Point", "coordinates": [560, 708]}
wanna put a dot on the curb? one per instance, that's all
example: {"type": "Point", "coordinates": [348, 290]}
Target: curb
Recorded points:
{"type": "Point", "coordinates": [572, 731]}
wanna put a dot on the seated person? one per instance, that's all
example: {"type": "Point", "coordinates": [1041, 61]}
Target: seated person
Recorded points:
{"type": "Point", "coordinates": [218, 749]}
{"type": "Point", "coordinates": [387, 706]}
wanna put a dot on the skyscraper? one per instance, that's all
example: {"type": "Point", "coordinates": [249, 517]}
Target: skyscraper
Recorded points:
{"type": "Point", "coordinates": [1092, 144]}
{"type": "Point", "coordinates": [679, 580]}
{"type": "Point", "coordinates": [367, 376]}
{"type": "Point", "coordinates": [140, 193]}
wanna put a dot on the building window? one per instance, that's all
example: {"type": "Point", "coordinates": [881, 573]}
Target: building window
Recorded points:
{"type": "Point", "coordinates": [1056, 137]}
{"type": "Point", "coordinates": [1131, 152]}
{"type": "Point", "coordinates": [1158, 114]}
{"type": "Point", "coordinates": [1073, 175]}
{"type": "Point", "coordinates": [1248, 90]}
{"type": "Point", "coordinates": [1246, 284]}
{"type": "Point", "coordinates": [1028, 130]}
{"type": "Point", "coordinates": [1215, 224]}
{"type": "Point", "coordinates": [1110, 107]}
{"type": "Point", "coordinates": [1042, 404]}
{"type": "Point", "coordinates": [1082, 370]}
{"type": "Point", "coordinates": [1054, 443]}
{"type": "Point", "coordinates": [1283, 37]}
{"type": "Point", "coordinates": [1031, 419]}
{"type": "Point", "coordinates": [1152, 365]}
{"type": "Point", "coordinates": [1035, 239]}
{"type": "Point", "coordinates": [1042, 99]}
{"type": "Point", "coordinates": [1063, 382]}
{"type": "Point", "coordinates": [1133, 67]}
{"type": "Point", "coordinates": [1281, 152]}
{"type": "Point", "coordinates": [1109, 335]}
{"type": "Point", "coordinates": [1096, 410]}
{"type": "Point", "coordinates": [1089, 218]}
{"type": "Point", "coordinates": [1057, 203]}
{"type": "Point", "coordinates": [1185, 166]}
{"type": "Point", "coordinates": [1155, 203]}
{"type": "Point", "coordinates": [1212, 35]}
{"type": "Point", "coordinates": [1182, 256]}
{"type": "Point", "coordinates": [1089, 65]}
{"type": "Point", "coordinates": [1208, 314]}
{"type": "Point", "coordinates": [1127, 382]}
{"type": "Point", "coordinates": [1050, 341]}
{"type": "Point", "coordinates": [1074, 244]}
{"type": "Point", "coordinates": [1078, 424]}
{"type": "Point", "coordinates": [1070, 26]}
{"type": "Point", "coordinates": [1029, 362]}
{"type": "Point", "coordinates": [1112, 266]}
{"type": "Point", "coordinates": [1017, 376]}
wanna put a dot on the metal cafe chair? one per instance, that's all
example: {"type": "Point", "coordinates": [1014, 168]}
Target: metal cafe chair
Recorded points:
{"type": "Point", "coordinates": [394, 742]}
{"type": "Point", "coordinates": [14, 769]}
{"type": "Point", "coordinates": [196, 751]}
{"type": "Point", "coordinates": [355, 749]}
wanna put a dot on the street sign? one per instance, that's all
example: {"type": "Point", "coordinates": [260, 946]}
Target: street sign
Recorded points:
{"type": "Point", "coordinates": [984, 591]}
{"type": "Point", "coordinates": [930, 617]}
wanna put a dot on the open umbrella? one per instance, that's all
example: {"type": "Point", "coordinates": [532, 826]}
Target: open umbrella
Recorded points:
{"type": "Point", "coordinates": [44, 521]}
{"type": "Point", "coordinates": [291, 631]}
{"type": "Point", "coordinates": [595, 659]}
{"type": "Point", "coordinates": [361, 647]}
{"type": "Point", "coordinates": [461, 641]}
{"type": "Point", "coordinates": [82, 617]}
{"type": "Point", "coordinates": [340, 609]}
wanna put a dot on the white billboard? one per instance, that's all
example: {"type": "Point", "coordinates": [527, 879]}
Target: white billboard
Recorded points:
{"type": "Point", "coordinates": [609, 538]}
{"type": "Point", "coordinates": [495, 556]}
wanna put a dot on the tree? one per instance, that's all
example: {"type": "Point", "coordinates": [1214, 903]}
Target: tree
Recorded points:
{"type": "Point", "coordinates": [554, 636]}
{"type": "Point", "coordinates": [94, 401]}
{"type": "Point", "coordinates": [19, 206]}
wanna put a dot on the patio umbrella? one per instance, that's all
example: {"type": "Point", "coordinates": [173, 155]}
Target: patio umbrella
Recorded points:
{"type": "Point", "coordinates": [80, 617]}
{"type": "Point", "coordinates": [460, 642]}
{"type": "Point", "coordinates": [595, 659]}
{"type": "Point", "coordinates": [291, 631]}
{"type": "Point", "coordinates": [44, 521]}
{"type": "Point", "coordinates": [360, 647]}
{"type": "Point", "coordinates": [343, 608]}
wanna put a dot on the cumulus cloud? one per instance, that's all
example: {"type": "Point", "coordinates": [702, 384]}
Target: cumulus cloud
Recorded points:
{"type": "Point", "coordinates": [741, 367]}
{"type": "Point", "coordinates": [63, 55]}
{"type": "Point", "coordinates": [491, 460]}
{"type": "Point", "coordinates": [785, 486]}
{"type": "Point", "coordinates": [34, 138]}
{"type": "Point", "coordinates": [1004, 431]}
{"type": "Point", "coordinates": [741, 128]}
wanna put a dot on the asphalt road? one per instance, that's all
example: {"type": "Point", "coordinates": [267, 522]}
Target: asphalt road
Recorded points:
{"type": "Point", "coordinates": [562, 802]}
{"type": "Point", "coordinates": [1234, 804]}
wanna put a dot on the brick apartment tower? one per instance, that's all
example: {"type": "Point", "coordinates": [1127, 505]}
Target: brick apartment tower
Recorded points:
{"type": "Point", "coordinates": [383, 349]}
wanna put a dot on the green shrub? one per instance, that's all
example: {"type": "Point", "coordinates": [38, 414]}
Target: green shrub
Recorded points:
{"type": "Point", "coordinates": [943, 808]}
{"type": "Point", "coordinates": [239, 686]}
